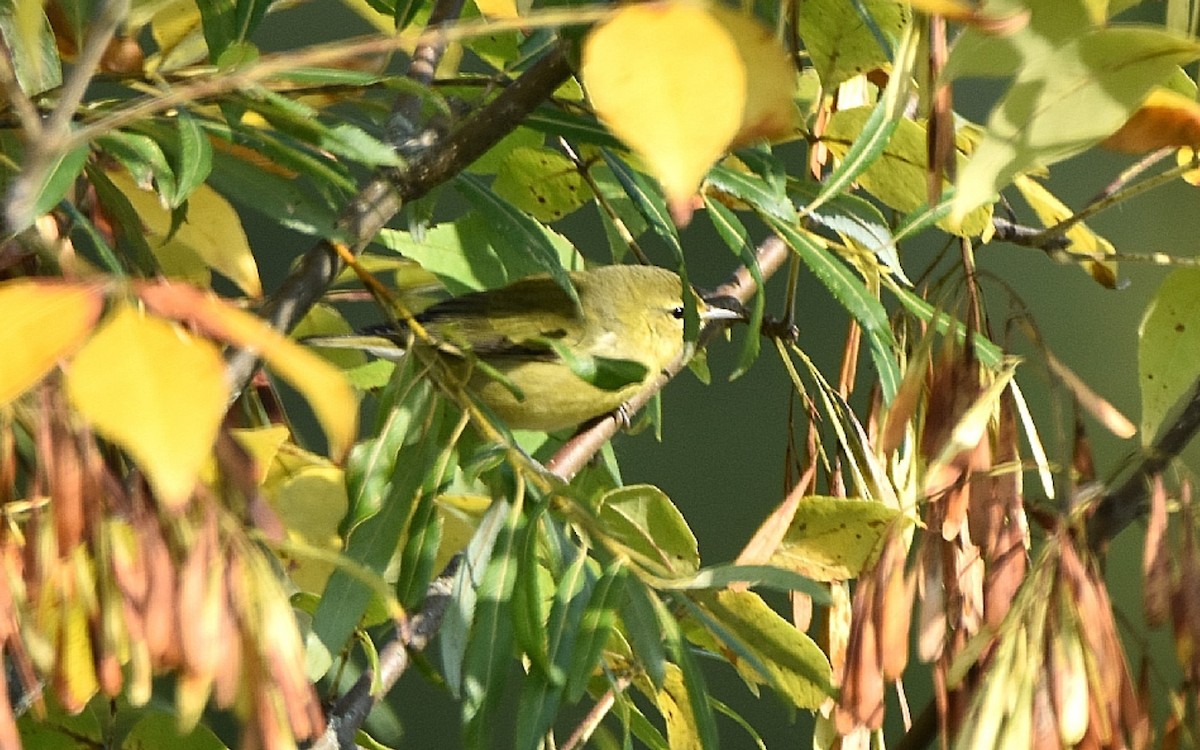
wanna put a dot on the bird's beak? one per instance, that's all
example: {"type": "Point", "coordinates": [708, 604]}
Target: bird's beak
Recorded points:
{"type": "Point", "coordinates": [723, 307]}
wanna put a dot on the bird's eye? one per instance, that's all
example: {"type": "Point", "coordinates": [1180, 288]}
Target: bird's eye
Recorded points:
{"type": "Point", "coordinates": [677, 312]}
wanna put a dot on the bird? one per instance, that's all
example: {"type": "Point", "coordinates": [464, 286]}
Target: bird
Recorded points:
{"type": "Point", "coordinates": [540, 362]}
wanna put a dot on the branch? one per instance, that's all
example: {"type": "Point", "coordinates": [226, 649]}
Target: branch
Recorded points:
{"type": "Point", "coordinates": [1117, 508]}
{"type": "Point", "coordinates": [352, 709]}
{"type": "Point", "coordinates": [382, 198]}
{"type": "Point", "coordinates": [569, 459]}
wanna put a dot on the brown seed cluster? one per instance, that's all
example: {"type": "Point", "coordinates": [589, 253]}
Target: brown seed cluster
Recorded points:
{"type": "Point", "coordinates": [102, 589]}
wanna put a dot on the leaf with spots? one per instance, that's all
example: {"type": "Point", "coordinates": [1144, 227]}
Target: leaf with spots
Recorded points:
{"type": "Point", "coordinates": [1169, 348]}
{"type": "Point", "coordinates": [542, 183]}
{"type": "Point", "coordinates": [832, 538]}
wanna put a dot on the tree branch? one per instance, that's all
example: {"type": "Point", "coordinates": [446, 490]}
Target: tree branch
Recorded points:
{"type": "Point", "coordinates": [570, 458]}
{"type": "Point", "coordinates": [382, 198]}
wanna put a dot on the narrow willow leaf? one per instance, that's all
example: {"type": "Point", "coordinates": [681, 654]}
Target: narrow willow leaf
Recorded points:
{"type": "Point", "coordinates": [194, 161]}
{"type": "Point", "coordinates": [735, 235]}
{"type": "Point", "coordinates": [853, 295]}
{"type": "Point", "coordinates": [766, 576]}
{"type": "Point", "coordinates": [489, 649]}
{"type": "Point", "coordinates": [512, 232]}
{"type": "Point", "coordinates": [373, 542]}
{"type": "Point", "coordinates": [643, 631]}
{"type": "Point", "coordinates": [595, 628]}
{"type": "Point", "coordinates": [648, 202]}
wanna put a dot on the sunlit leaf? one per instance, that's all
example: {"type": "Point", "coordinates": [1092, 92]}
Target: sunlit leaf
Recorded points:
{"type": "Point", "coordinates": [1051, 210]}
{"type": "Point", "coordinates": [644, 521]}
{"type": "Point", "coordinates": [327, 392]}
{"type": "Point", "coordinates": [832, 539]}
{"type": "Point", "coordinates": [541, 182]}
{"type": "Point", "coordinates": [841, 42]}
{"type": "Point", "coordinates": [797, 668]}
{"type": "Point", "coordinates": [211, 237]}
{"type": "Point", "coordinates": [126, 382]}
{"type": "Point", "coordinates": [1169, 348]}
{"type": "Point", "coordinates": [311, 503]}
{"type": "Point", "coordinates": [1105, 73]}
{"type": "Point", "coordinates": [668, 80]}
{"type": "Point", "coordinates": [43, 323]}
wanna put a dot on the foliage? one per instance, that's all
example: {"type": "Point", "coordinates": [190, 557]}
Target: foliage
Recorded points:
{"type": "Point", "coordinates": [176, 549]}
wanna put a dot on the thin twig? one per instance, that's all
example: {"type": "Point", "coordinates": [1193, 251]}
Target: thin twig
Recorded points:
{"type": "Point", "coordinates": [355, 705]}
{"type": "Point", "coordinates": [569, 459]}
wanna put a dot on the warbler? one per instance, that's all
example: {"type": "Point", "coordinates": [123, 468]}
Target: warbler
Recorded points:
{"type": "Point", "coordinates": [525, 350]}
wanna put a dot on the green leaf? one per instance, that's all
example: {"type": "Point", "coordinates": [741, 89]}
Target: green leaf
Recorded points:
{"type": "Point", "coordinates": [575, 128]}
{"type": "Point", "coordinates": [856, 219]}
{"type": "Point", "coordinates": [217, 18]}
{"type": "Point", "coordinates": [513, 233]}
{"type": "Point", "coordinates": [795, 666]}
{"type": "Point", "coordinates": [541, 182]}
{"type": "Point", "coordinates": [603, 372]}
{"type": "Point", "coordinates": [489, 649]}
{"type": "Point", "coordinates": [373, 542]}
{"type": "Point", "coordinates": [842, 43]}
{"type": "Point", "coordinates": [853, 295]}
{"type": "Point", "coordinates": [751, 188]}
{"type": "Point", "coordinates": [1169, 349]}
{"type": "Point", "coordinates": [648, 201]}
{"type": "Point", "coordinates": [643, 631]}
{"type": "Point", "coordinates": [766, 576]}
{"type": "Point", "coordinates": [143, 158]}
{"type": "Point", "coordinates": [832, 538]}
{"type": "Point", "coordinates": [737, 238]}
{"type": "Point", "coordinates": [595, 628]}
{"type": "Point", "coordinates": [643, 522]}
{"type": "Point", "coordinates": [420, 552]}
{"type": "Point", "coordinates": [193, 159]}
{"type": "Point", "coordinates": [125, 221]}
{"type": "Point", "coordinates": [31, 48]}
{"type": "Point", "coordinates": [1104, 73]}
{"type": "Point", "coordinates": [703, 725]}
{"type": "Point", "coordinates": [303, 122]}
{"type": "Point", "coordinates": [247, 15]}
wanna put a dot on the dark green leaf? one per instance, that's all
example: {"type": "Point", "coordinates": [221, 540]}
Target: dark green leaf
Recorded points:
{"type": "Point", "coordinates": [595, 628]}
{"type": "Point", "coordinates": [733, 232]}
{"type": "Point", "coordinates": [648, 201]}
{"type": "Point", "coordinates": [489, 649]}
{"type": "Point", "coordinates": [127, 225]}
{"type": "Point", "coordinates": [217, 18]}
{"type": "Point", "coordinates": [643, 631]}
{"type": "Point", "coordinates": [193, 160]}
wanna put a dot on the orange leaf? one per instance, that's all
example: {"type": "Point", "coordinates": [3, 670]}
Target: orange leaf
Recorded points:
{"type": "Point", "coordinates": [326, 390]}
{"type": "Point", "coordinates": [44, 321]}
{"type": "Point", "coordinates": [1166, 118]}
{"type": "Point", "coordinates": [154, 390]}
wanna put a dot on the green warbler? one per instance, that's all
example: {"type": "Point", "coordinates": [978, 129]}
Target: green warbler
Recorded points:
{"type": "Point", "coordinates": [540, 362]}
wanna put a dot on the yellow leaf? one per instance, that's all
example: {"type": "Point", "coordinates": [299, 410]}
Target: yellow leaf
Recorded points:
{"type": "Point", "coordinates": [1089, 245]}
{"type": "Point", "coordinates": [770, 78]}
{"type": "Point", "coordinates": [311, 504]}
{"type": "Point", "coordinates": [211, 237]}
{"type": "Point", "coordinates": [157, 392]}
{"type": "Point", "coordinates": [326, 390]}
{"type": "Point", "coordinates": [667, 79]}
{"type": "Point", "coordinates": [43, 323]}
{"type": "Point", "coordinates": [503, 8]}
